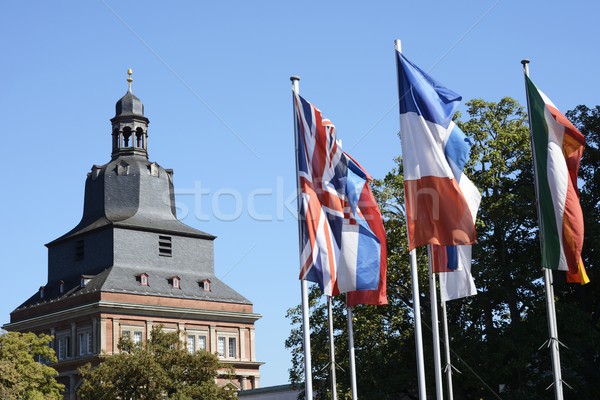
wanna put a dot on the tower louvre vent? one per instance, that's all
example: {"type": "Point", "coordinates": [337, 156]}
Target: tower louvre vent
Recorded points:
{"type": "Point", "coordinates": [165, 246]}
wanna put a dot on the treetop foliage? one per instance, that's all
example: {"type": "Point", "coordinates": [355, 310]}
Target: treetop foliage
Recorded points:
{"type": "Point", "coordinates": [160, 369]}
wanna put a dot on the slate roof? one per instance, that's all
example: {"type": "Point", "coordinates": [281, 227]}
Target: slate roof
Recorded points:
{"type": "Point", "coordinates": [119, 279]}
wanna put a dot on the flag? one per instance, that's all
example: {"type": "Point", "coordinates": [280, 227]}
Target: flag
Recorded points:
{"type": "Point", "coordinates": [453, 263]}
{"type": "Point", "coordinates": [436, 209]}
{"type": "Point", "coordinates": [332, 232]}
{"type": "Point", "coordinates": [444, 258]}
{"type": "Point", "coordinates": [365, 211]}
{"type": "Point", "coordinates": [458, 283]}
{"type": "Point", "coordinates": [557, 150]}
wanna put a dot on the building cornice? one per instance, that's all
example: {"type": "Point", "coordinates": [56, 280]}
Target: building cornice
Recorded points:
{"type": "Point", "coordinates": [117, 307]}
{"type": "Point", "coordinates": [108, 306]}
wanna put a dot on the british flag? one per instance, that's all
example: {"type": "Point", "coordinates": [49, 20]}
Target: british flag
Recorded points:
{"type": "Point", "coordinates": [321, 175]}
{"type": "Point", "coordinates": [339, 251]}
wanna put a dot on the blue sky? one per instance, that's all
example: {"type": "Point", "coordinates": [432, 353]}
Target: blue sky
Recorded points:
{"type": "Point", "coordinates": [214, 79]}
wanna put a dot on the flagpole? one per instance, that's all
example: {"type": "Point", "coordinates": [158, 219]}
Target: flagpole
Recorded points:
{"type": "Point", "coordinates": [553, 342]}
{"type": "Point", "coordinates": [439, 390]}
{"type": "Point", "coordinates": [331, 349]}
{"type": "Point", "coordinates": [416, 302]}
{"type": "Point", "coordinates": [448, 367]}
{"type": "Point", "coordinates": [349, 315]}
{"type": "Point", "coordinates": [308, 392]}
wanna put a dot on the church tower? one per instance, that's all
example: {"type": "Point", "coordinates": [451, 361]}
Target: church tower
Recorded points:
{"type": "Point", "coordinates": [130, 264]}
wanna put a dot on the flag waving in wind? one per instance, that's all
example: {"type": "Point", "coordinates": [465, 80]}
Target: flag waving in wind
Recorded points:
{"type": "Point", "coordinates": [437, 211]}
{"type": "Point", "coordinates": [454, 262]}
{"type": "Point", "coordinates": [338, 250]}
{"type": "Point", "coordinates": [365, 212]}
{"type": "Point", "coordinates": [557, 149]}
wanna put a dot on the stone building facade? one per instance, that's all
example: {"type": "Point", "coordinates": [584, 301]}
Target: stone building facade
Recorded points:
{"type": "Point", "coordinates": [130, 264]}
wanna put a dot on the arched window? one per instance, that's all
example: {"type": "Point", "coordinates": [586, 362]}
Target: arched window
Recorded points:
{"type": "Point", "coordinates": [115, 137]}
{"type": "Point", "coordinates": [126, 136]}
{"type": "Point", "coordinates": [139, 138]}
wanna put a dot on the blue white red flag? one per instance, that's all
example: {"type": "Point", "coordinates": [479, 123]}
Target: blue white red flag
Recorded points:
{"type": "Point", "coordinates": [454, 262]}
{"type": "Point", "coordinates": [436, 209]}
{"type": "Point", "coordinates": [332, 232]}
{"type": "Point", "coordinates": [364, 231]}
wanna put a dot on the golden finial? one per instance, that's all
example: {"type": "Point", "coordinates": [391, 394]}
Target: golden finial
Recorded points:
{"type": "Point", "coordinates": [129, 78]}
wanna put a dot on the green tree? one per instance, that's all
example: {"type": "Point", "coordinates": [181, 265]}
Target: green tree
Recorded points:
{"type": "Point", "coordinates": [159, 369]}
{"type": "Point", "coordinates": [21, 375]}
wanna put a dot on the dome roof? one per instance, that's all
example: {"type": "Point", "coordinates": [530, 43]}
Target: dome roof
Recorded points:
{"type": "Point", "coordinates": [129, 105]}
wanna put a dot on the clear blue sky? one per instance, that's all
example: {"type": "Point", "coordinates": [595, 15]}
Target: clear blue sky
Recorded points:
{"type": "Point", "coordinates": [214, 79]}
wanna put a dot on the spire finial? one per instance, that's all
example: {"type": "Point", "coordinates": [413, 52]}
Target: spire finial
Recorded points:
{"type": "Point", "coordinates": [129, 78]}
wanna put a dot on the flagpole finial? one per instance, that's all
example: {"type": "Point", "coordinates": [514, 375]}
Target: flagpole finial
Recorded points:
{"type": "Point", "coordinates": [525, 63]}
{"type": "Point", "coordinates": [129, 78]}
{"type": "Point", "coordinates": [295, 83]}
{"type": "Point", "coordinates": [398, 45]}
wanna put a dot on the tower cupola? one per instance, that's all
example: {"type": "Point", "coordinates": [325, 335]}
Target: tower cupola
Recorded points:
{"type": "Point", "coordinates": [129, 126]}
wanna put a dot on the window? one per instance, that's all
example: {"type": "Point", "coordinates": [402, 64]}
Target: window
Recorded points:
{"type": "Point", "coordinates": [221, 346]}
{"type": "Point", "coordinates": [88, 339]}
{"type": "Point", "coordinates": [61, 287]}
{"type": "Point", "coordinates": [191, 343]}
{"type": "Point", "coordinates": [232, 348]}
{"type": "Point", "coordinates": [137, 337]}
{"type": "Point", "coordinates": [202, 342]}
{"type": "Point", "coordinates": [142, 279]}
{"type": "Point", "coordinates": [85, 279]}
{"type": "Point", "coordinates": [165, 246]}
{"type": "Point", "coordinates": [64, 347]}
{"type": "Point", "coordinates": [125, 334]}
{"type": "Point", "coordinates": [174, 282]}
{"type": "Point", "coordinates": [82, 344]}
{"type": "Point", "coordinates": [204, 285]}
{"type": "Point", "coordinates": [79, 250]}
{"type": "Point", "coordinates": [61, 349]}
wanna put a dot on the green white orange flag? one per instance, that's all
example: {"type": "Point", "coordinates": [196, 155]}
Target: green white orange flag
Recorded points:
{"type": "Point", "coordinates": [557, 150]}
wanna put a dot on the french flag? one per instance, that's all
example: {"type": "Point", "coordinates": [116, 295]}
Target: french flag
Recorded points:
{"type": "Point", "coordinates": [436, 209]}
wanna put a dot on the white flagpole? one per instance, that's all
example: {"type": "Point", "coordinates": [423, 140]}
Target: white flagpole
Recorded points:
{"type": "Point", "coordinates": [448, 368]}
{"type": "Point", "coordinates": [553, 342]}
{"type": "Point", "coordinates": [303, 284]}
{"type": "Point", "coordinates": [416, 301]}
{"type": "Point", "coordinates": [349, 315]}
{"type": "Point", "coordinates": [439, 390]}
{"type": "Point", "coordinates": [331, 349]}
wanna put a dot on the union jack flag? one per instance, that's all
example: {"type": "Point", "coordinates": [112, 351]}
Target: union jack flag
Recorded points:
{"type": "Point", "coordinates": [322, 176]}
{"type": "Point", "coordinates": [341, 231]}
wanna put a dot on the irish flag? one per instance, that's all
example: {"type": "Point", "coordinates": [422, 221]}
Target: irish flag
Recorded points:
{"type": "Point", "coordinates": [557, 150]}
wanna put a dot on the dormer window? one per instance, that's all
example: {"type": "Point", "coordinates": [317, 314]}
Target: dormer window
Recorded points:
{"type": "Point", "coordinates": [175, 282]}
{"type": "Point", "coordinates": [142, 279]}
{"type": "Point", "coordinates": [85, 279]}
{"type": "Point", "coordinates": [42, 288]}
{"type": "Point", "coordinates": [61, 287]}
{"type": "Point", "coordinates": [204, 285]}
